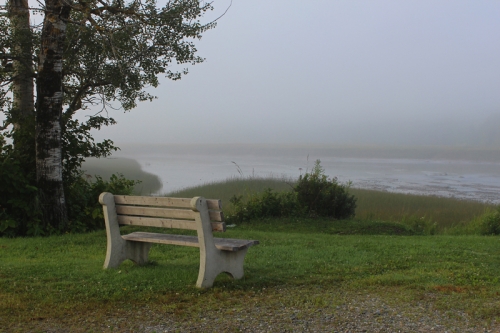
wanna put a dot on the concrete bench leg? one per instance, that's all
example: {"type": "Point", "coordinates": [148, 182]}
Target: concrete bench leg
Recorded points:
{"type": "Point", "coordinates": [120, 250]}
{"type": "Point", "coordinates": [138, 252]}
{"type": "Point", "coordinates": [220, 262]}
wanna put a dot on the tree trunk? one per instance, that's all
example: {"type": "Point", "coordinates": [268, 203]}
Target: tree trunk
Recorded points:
{"type": "Point", "coordinates": [22, 86]}
{"type": "Point", "coordinates": [22, 113]}
{"type": "Point", "coordinates": [48, 114]}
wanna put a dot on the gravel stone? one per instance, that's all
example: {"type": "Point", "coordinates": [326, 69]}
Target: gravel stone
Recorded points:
{"type": "Point", "coordinates": [342, 313]}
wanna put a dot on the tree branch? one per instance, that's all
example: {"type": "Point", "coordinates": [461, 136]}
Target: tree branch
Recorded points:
{"type": "Point", "coordinates": [76, 103]}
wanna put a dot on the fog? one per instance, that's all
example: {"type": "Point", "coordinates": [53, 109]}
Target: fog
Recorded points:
{"type": "Point", "coordinates": [333, 72]}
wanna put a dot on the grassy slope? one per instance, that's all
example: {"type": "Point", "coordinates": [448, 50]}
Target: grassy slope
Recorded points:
{"type": "Point", "coordinates": [130, 168]}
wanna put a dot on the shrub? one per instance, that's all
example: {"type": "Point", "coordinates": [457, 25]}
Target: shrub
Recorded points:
{"type": "Point", "coordinates": [84, 210]}
{"type": "Point", "coordinates": [265, 204]}
{"type": "Point", "coordinates": [19, 213]}
{"type": "Point", "coordinates": [314, 195]}
{"type": "Point", "coordinates": [419, 225]}
{"type": "Point", "coordinates": [324, 196]}
{"type": "Point", "coordinates": [490, 223]}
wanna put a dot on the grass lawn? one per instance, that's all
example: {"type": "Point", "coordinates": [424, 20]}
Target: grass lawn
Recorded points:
{"type": "Point", "coordinates": [61, 277]}
{"type": "Point", "coordinates": [309, 264]}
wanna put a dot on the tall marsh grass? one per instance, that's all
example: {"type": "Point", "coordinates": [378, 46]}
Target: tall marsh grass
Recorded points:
{"type": "Point", "coordinates": [235, 186]}
{"type": "Point", "coordinates": [447, 213]}
{"type": "Point", "coordinates": [426, 214]}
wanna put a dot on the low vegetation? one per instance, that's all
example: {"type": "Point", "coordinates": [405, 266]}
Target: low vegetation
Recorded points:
{"type": "Point", "coordinates": [313, 195]}
{"type": "Point", "coordinates": [251, 199]}
{"type": "Point", "coordinates": [445, 213]}
{"type": "Point", "coordinates": [307, 262]}
{"type": "Point", "coordinates": [84, 211]}
{"type": "Point", "coordinates": [19, 206]}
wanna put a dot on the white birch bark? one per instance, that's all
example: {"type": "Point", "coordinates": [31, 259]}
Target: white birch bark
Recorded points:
{"type": "Point", "coordinates": [48, 115]}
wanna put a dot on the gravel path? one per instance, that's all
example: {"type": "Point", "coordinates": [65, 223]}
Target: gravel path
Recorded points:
{"type": "Point", "coordinates": [363, 314]}
{"type": "Point", "coordinates": [273, 310]}
{"type": "Point", "coordinates": [277, 310]}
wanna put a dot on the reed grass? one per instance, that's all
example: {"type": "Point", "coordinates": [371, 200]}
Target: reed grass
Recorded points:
{"type": "Point", "coordinates": [448, 214]}
{"type": "Point", "coordinates": [244, 186]}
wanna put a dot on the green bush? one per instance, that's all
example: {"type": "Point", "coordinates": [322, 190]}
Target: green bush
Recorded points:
{"type": "Point", "coordinates": [21, 216]}
{"type": "Point", "coordinates": [419, 225]}
{"type": "Point", "coordinates": [324, 196]}
{"type": "Point", "coordinates": [314, 195]}
{"type": "Point", "coordinates": [265, 204]}
{"type": "Point", "coordinates": [19, 212]}
{"type": "Point", "coordinates": [84, 210]}
{"type": "Point", "coordinates": [490, 223]}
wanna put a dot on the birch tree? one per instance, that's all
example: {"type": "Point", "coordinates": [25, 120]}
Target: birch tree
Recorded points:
{"type": "Point", "coordinates": [86, 55]}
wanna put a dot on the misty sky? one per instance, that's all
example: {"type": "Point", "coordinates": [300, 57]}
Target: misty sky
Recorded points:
{"type": "Point", "coordinates": [336, 72]}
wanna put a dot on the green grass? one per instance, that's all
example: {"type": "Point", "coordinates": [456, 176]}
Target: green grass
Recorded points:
{"type": "Point", "coordinates": [61, 277]}
{"type": "Point", "coordinates": [310, 264]}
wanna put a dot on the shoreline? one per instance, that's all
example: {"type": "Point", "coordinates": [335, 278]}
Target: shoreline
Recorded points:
{"type": "Point", "coordinates": [476, 181]}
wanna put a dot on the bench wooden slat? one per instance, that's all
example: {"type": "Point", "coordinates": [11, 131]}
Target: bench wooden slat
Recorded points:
{"type": "Point", "coordinates": [231, 244]}
{"type": "Point", "coordinates": [214, 204]}
{"type": "Point", "coordinates": [165, 223]}
{"type": "Point", "coordinates": [225, 244]}
{"type": "Point", "coordinates": [153, 201]}
{"type": "Point", "coordinates": [156, 222]}
{"type": "Point", "coordinates": [157, 212]}
{"type": "Point", "coordinates": [216, 216]}
{"type": "Point", "coordinates": [150, 237]}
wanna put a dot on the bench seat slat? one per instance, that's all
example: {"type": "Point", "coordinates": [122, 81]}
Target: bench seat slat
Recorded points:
{"type": "Point", "coordinates": [225, 244]}
{"type": "Point", "coordinates": [150, 237]}
{"type": "Point", "coordinates": [165, 223]}
{"type": "Point", "coordinates": [156, 212]}
{"type": "Point", "coordinates": [214, 204]}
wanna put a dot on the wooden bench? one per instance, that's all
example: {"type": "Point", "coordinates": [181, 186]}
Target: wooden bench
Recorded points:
{"type": "Point", "coordinates": [217, 255]}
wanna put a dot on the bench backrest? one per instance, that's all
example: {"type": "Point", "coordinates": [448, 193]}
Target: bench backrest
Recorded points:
{"type": "Point", "coordinates": [165, 212]}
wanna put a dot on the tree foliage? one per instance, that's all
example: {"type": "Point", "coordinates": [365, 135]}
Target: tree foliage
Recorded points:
{"type": "Point", "coordinates": [112, 51]}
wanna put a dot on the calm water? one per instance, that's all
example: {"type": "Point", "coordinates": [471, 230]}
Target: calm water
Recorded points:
{"type": "Point", "coordinates": [180, 167]}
